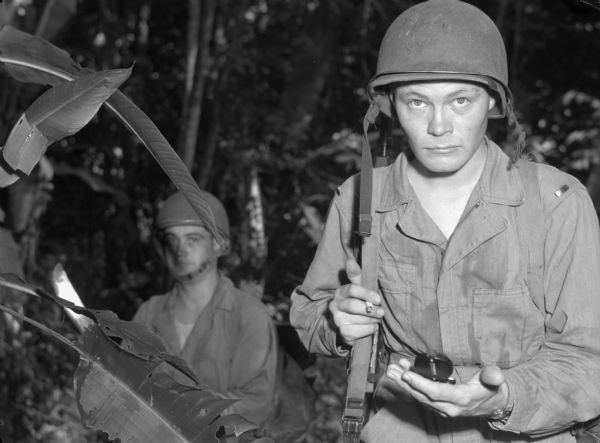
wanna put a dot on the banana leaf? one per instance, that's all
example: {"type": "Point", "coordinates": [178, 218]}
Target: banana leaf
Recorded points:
{"type": "Point", "coordinates": [59, 112]}
{"type": "Point", "coordinates": [137, 393]}
{"type": "Point", "coordinates": [33, 60]}
{"type": "Point", "coordinates": [30, 59]}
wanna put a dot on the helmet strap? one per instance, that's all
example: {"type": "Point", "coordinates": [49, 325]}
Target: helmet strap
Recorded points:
{"type": "Point", "coordinates": [190, 276]}
{"type": "Point", "coordinates": [512, 120]}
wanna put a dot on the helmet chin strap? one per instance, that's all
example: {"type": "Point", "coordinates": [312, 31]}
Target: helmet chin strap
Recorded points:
{"type": "Point", "coordinates": [191, 275]}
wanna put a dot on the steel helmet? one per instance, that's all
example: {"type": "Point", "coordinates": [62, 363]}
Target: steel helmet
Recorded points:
{"type": "Point", "coordinates": [442, 40]}
{"type": "Point", "coordinates": [437, 40]}
{"type": "Point", "coordinates": [177, 211]}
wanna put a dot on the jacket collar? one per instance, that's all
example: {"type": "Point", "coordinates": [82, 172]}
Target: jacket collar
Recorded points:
{"type": "Point", "coordinates": [499, 183]}
{"type": "Point", "coordinates": [223, 296]}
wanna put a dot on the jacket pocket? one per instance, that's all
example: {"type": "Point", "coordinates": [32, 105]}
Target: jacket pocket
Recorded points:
{"type": "Point", "coordinates": [397, 283]}
{"type": "Point", "coordinates": [508, 328]}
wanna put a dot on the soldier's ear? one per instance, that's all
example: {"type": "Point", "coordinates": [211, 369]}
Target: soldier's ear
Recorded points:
{"type": "Point", "coordinates": [217, 247]}
{"type": "Point", "coordinates": [492, 102]}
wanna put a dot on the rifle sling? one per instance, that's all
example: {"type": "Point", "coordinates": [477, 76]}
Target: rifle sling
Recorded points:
{"type": "Point", "coordinates": [363, 352]}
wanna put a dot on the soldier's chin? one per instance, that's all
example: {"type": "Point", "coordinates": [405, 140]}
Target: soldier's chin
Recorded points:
{"type": "Point", "coordinates": [189, 272]}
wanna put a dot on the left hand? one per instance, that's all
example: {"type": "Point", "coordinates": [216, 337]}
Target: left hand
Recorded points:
{"type": "Point", "coordinates": [483, 394]}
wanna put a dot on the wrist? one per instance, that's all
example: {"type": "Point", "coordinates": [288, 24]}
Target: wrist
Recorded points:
{"type": "Point", "coordinates": [502, 414]}
{"type": "Point", "coordinates": [340, 344]}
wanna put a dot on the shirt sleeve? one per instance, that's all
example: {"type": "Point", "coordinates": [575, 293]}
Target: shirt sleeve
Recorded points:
{"type": "Point", "coordinates": [253, 367]}
{"type": "Point", "coordinates": [309, 312]}
{"type": "Point", "coordinates": [560, 385]}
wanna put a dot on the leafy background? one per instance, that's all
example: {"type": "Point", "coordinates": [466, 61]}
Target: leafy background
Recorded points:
{"type": "Point", "coordinates": [263, 100]}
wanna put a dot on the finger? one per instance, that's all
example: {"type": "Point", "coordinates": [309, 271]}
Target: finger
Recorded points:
{"type": "Point", "coordinates": [364, 294]}
{"type": "Point", "coordinates": [428, 389]}
{"type": "Point", "coordinates": [404, 363]}
{"type": "Point", "coordinates": [491, 376]}
{"type": "Point", "coordinates": [389, 389]}
{"type": "Point", "coordinates": [358, 307]}
{"type": "Point", "coordinates": [403, 381]}
{"type": "Point", "coordinates": [351, 333]}
{"type": "Point", "coordinates": [353, 271]}
{"type": "Point", "coordinates": [355, 291]}
{"type": "Point", "coordinates": [343, 318]}
{"type": "Point", "coordinates": [394, 373]}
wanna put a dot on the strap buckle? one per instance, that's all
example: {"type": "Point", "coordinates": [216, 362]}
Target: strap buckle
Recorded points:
{"type": "Point", "coordinates": [351, 428]}
{"type": "Point", "coordinates": [365, 222]}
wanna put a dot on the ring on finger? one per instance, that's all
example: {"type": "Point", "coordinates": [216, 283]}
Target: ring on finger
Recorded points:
{"type": "Point", "coordinates": [368, 307]}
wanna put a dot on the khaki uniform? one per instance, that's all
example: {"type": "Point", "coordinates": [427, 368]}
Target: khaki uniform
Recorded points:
{"type": "Point", "coordinates": [470, 298]}
{"type": "Point", "coordinates": [232, 347]}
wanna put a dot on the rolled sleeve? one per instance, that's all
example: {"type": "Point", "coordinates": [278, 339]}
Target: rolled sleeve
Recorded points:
{"type": "Point", "coordinates": [309, 312]}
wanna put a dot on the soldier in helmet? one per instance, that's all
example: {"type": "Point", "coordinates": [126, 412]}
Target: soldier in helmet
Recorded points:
{"type": "Point", "coordinates": [225, 335]}
{"type": "Point", "coordinates": [485, 259]}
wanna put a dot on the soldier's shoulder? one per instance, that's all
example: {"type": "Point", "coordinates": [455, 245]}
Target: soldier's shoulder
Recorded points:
{"type": "Point", "coordinates": [556, 185]}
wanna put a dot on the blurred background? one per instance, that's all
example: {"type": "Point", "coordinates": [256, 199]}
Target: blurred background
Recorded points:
{"type": "Point", "coordinates": [263, 100]}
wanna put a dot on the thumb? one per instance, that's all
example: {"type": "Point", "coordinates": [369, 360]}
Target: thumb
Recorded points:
{"type": "Point", "coordinates": [353, 271]}
{"type": "Point", "coordinates": [491, 376]}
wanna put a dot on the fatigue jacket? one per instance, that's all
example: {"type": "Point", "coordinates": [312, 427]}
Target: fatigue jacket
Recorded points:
{"type": "Point", "coordinates": [232, 347]}
{"type": "Point", "coordinates": [469, 297]}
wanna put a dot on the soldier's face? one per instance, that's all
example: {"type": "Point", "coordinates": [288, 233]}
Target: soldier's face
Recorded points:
{"type": "Point", "coordinates": [190, 249]}
{"type": "Point", "coordinates": [445, 122]}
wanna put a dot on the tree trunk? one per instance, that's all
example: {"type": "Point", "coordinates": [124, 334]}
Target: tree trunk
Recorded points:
{"type": "Point", "coordinates": [304, 88]}
{"type": "Point", "coordinates": [208, 152]}
{"type": "Point", "coordinates": [193, 109]}
{"type": "Point", "coordinates": [193, 40]}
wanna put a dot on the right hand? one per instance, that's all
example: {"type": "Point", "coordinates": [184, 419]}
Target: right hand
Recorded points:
{"type": "Point", "coordinates": [485, 392]}
{"type": "Point", "coordinates": [349, 307]}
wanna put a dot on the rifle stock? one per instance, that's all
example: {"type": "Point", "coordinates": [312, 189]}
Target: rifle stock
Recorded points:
{"type": "Point", "coordinates": [366, 365]}
{"type": "Point", "coordinates": [356, 408]}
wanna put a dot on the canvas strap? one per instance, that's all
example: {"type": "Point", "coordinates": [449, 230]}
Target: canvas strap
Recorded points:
{"type": "Point", "coordinates": [363, 360]}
